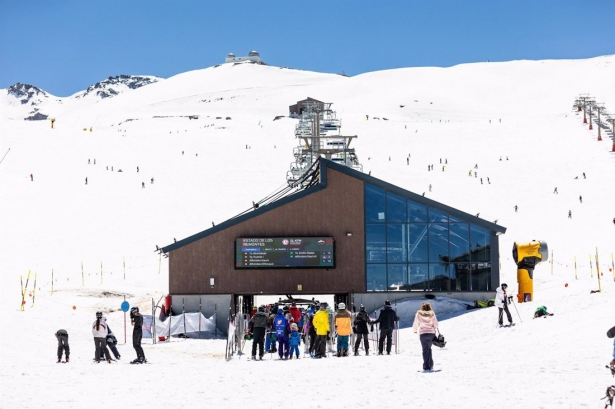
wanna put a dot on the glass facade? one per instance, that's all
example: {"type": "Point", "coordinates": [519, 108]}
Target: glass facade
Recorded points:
{"type": "Point", "coordinates": [413, 247]}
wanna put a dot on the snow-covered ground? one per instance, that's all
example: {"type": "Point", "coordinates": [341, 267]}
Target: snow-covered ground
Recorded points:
{"type": "Point", "coordinates": [466, 115]}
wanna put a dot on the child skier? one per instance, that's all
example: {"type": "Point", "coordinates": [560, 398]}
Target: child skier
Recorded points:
{"type": "Point", "coordinates": [295, 341]}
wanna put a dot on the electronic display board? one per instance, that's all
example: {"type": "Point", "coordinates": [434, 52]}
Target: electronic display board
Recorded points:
{"type": "Point", "coordinates": [284, 252]}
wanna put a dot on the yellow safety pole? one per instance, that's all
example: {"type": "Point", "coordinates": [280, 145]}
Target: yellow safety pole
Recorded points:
{"type": "Point", "coordinates": [23, 293]}
{"type": "Point", "coordinates": [34, 290]}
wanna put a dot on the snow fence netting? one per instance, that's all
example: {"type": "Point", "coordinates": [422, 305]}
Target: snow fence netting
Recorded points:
{"type": "Point", "coordinates": [179, 324]}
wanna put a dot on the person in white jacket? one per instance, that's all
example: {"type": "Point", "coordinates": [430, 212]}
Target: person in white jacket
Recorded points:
{"type": "Point", "coordinates": [99, 330]}
{"type": "Point", "coordinates": [426, 324]}
{"type": "Point", "coordinates": [501, 301]}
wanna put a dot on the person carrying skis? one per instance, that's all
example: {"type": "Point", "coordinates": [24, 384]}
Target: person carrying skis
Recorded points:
{"type": "Point", "coordinates": [387, 319]}
{"type": "Point", "coordinates": [360, 328]}
{"type": "Point", "coordinates": [99, 330]}
{"type": "Point", "coordinates": [136, 320]}
{"type": "Point", "coordinates": [343, 327]}
{"type": "Point", "coordinates": [321, 325]}
{"type": "Point", "coordinates": [282, 330]}
{"type": "Point", "coordinates": [295, 341]}
{"type": "Point", "coordinates": [258, 325]}
{"type": "Point", "coordinates": [541, 312]}
{"type": "Point", "coordinates": [62, 337]}
{"type": "Point", "coordinates": [501, 301]}
{"type": "Point", "coordinates": [426, 324]}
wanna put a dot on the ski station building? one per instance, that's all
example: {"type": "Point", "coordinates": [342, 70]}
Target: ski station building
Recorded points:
{"type": "Point", "coordinates": [343, 233]}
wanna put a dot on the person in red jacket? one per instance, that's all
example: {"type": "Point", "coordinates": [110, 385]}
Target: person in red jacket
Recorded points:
{"type": "Point", "coordinates": [295, 313]}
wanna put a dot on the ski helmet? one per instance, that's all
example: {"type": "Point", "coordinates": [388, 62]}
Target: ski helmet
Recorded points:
{"type": "Point", "coordinates": [387, 302]}
{"type": "Point", "coordinates": [504, 285]}
{"type": "Point", "coordinates": [98, 314]}
{"type": "Point", "coordinates": [362, 307]}
{"type": "Point", "coordinates": [323, 305]}
{"type": "Point", "coordinates": [280, 311]}
{"type": "Point", "coordinates": [261, 308]}
{"type": "Point", "coordinates": [341, 306]}
{"type": "Point", "coordinates": [134, 309]}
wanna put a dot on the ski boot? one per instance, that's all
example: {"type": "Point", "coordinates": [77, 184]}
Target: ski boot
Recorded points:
{"type": "Point", "coordinates": [253, 357]}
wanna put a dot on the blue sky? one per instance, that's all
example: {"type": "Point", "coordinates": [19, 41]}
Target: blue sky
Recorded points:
{"type": "Point", "coordinates": [65, 46]}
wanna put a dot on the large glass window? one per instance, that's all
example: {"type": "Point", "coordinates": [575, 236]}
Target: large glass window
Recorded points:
{"type": "Point", "coordinates": [374, 205]}
{"type": "Point", "coordinates": [397, 243]}
{"type": "Point", "coordinates": [375, 243]}
{"type": "Point", "coordinates": [438, 242]}
{"type": "Point", "coordinates": [396, 208]}
{"type": "Point", "coordinates": [418, 276]}
{"type": "Point", "coordinates": [376, 277]}
{"type": "Point", "coordinates": [413, 247]}
{"type": "Point", "coordinates": [480, 243]}
{"type": "Point", "coordinates": [417, 242]}
{"type": "Point", "coordinates": [417, 213]}
{"type": "Point", "coordinates": [459, 234]}
{"type": "Point", "coordinates": [397, 277]}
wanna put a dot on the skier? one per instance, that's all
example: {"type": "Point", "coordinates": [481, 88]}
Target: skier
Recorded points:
{"type": "Point", "coordinates": [570, 214]}
{"type": "Point", "coordinates": [426, 323]}
{"type": "Point", "coordinates": [152, 181]}
{"type": "Point", "coordinates": [542, 312]}
{"type": "Point", "coordinates": [555, 190]}
{"type": "Point", "coordinates": [142, 185]}
{"type": "Point", "coordinates": [430, 187]}
{"type": "Point", "coordinates": [360, 328]}
{"type": "Point", "coordinates": [501, 301]}
{"type": "Point", "coordinates": [258, 325]}
{"type": "Point", "coordinates": [310, 330]}
{"type": "Point", "coordinates": [31, 178]}
{"type": "Point", "coordinates": [86, 180]}
{"type": "Point", "coordinates": [294, 341]}
{"type": "Point", "coordinates": [580, 198]}
{"type": "Point", "coordinates": [516, 208]}
{"type": "Point", "coordinates": [321, 324]}
{"type": "Point", "coordinates": [99, 330]}
{"type": "Point", "coordinates": [136, 320]}
{"type": "Point", "coordinates": [481, 181]}
{"type": "Point", "coordinates": [584, 175]}
{"type": "Point", "coordinates": [282, 330]}
{"type": "Point", "coordinates": [62, 337]}
{"type": "Point", "coordinates": [343, 328]}
{"type": "Point", "coordinates": [387, 319]}
{"type": "Point", "coordinates": [137, 169]}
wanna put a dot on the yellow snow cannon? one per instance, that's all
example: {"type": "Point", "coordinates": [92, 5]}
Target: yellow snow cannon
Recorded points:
{"type": "Point", "coordinates": [526, 256]}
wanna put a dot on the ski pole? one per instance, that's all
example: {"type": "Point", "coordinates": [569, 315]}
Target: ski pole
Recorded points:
{"type": "Point", "coordinates": [513, 303]}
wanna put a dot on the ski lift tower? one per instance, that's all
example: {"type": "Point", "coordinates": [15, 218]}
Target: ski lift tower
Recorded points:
{"type": "Point", "coordinates": [319, 132]}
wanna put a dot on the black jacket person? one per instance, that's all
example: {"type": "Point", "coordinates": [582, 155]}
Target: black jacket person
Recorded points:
{"type": "Point", "coordinates": [137, 334]}
{"type": "Point", "coordinates": [387, 319]}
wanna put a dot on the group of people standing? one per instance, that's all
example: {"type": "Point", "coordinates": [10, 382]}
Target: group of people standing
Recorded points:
{"type": "Point", "coordinates": [104, 339]}
{"type": "Point", "coordinates": [289, 326]}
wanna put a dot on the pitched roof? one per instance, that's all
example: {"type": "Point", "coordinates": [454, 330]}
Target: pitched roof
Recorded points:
{"type": "Point", "coordinates": [321, 171]}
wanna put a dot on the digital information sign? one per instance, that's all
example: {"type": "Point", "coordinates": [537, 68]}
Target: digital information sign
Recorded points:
{"type": "Point", "coordinates": [284, 252]}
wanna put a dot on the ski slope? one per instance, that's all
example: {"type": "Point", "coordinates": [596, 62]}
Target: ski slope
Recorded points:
{"type": "Point", "coordinates": [99, 239]}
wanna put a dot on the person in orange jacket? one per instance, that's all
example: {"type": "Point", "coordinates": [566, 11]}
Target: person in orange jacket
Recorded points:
{"type": "Point", "coordinates": [343, 327]}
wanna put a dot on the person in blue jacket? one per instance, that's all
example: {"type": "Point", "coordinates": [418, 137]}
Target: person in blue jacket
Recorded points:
{"type": "Point", "coordinates": [282, 331]}
{"type": "Point", "coordinates": [295, 341]}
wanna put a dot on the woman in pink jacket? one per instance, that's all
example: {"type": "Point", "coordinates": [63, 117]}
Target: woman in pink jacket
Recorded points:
{"type": "Point", "coordinates": [426, 323]}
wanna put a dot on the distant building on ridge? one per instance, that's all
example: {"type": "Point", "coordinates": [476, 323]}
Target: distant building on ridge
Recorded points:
{"type": "Point", "coordinates": [252, 56]}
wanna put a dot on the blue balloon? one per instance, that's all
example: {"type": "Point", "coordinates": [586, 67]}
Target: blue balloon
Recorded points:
{"type": "Point", "coordinates": [125, 306]}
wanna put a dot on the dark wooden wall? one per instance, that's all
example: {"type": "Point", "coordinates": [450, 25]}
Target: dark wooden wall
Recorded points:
{"type": "Point", "coordinates": [334, 211]}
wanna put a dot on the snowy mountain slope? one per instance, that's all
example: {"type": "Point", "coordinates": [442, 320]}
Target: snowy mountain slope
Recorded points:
{"type": "Point", "coordinates": [203, 173]}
